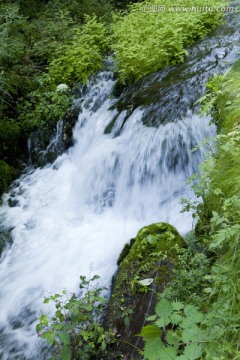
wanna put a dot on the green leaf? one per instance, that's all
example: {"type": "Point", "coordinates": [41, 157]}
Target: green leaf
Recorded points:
{"type": "Point", "coordinates": [153, 349]}
{"type": "Point", "coordinates": [193, 351]}
{"type": "Point", "coordinates": [39, 327]}
{"type": "Point", "coordinates": [46, 301]}
{"type": "Point", "coordinates": [64, 338]}
{"type": "Point", "coordinates": [192, 312]}
{"type": "Point", "coordinates": [193, 333]}
{"type": "Point", "coordinates": [66, 353]}
{"type": "Point", "coordinates": [151, 318]}
{"type": "Point", "coordinates": [173, 338]}
{"type": "Point", "coordinates": [176, 319]}
{"type": "Point", "coordinates": [150, 332]}
{"type": "Point", "coordinates": [177, 305]}
{"type": "Point", "coordinates": [49, 336]}
{"type": "Point", "coordinates": [44, 320]}
{"type": "Point", "coordinates": [168, 353]}
{"type": "Point", "coordinates": [164, 308]}
{"type": "Point", "coordinates": [162, 322]}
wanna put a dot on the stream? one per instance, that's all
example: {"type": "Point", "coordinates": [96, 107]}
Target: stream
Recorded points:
{"type": "Point", "coordinates": [127, 169]}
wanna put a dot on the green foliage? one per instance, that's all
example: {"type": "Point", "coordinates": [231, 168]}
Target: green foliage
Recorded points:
{"type": "Point", "coordinates": [208, 270]}
{"type": "Point", "coordinates": [175, 333]}
{"type": "Point", "coordinates": [48, 32]}
{"type": "Point", "coordinates": [32, 35]}
{"type": "Point", "coordinates": [82, 57]}
{"type": "Point", "coordinates": [219, 227]}
{"type": "Point", "coordinates": [208, 101]}
{"type": "Point", "coordinates": [12, 42]}
{"type": "Point", "coordinates": [12, 49]}
{"type": "Point", "coordinates": [42, 106]}
{"type": "Point", "coordinates": [9, 137]}
{"type": "Point", "coordinates": [188, 281]}
{"type": "Point", "coordinates": [77, 10]}
{"type": "Point", "coordinates": [144, 42]}
{"type": "Point", "coordinates": [75, 331]}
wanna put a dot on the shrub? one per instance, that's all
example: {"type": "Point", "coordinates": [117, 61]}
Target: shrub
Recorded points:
{"type": "Point", "coordinates": [76, 331]}
{"type": "Point", "coordinates": [43, 106]}
{"type": "Point", "coordinates": [82, 57]}
{"type": "Point", "coordinates": [144, 42]}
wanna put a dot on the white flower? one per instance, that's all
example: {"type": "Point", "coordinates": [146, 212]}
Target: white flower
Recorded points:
{"type": "Point", "coordinates": [62, 87]}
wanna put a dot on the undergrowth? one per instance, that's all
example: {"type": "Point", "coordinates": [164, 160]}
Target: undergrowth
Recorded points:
{"type": "Point", "coordinates": [207, 281]}
{"type": "Point", "coordinates": [145, 41]}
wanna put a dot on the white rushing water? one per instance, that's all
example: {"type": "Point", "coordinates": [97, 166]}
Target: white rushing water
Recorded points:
{"type": "Point", "coordinates": [84, 207]}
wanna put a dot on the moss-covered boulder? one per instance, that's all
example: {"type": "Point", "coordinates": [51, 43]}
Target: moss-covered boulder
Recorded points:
{"type": "Point", "coordinates": [145, 269]}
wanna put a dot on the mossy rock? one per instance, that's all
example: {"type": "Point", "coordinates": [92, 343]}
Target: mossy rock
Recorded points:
{"type": "Point", "coordinates": [153, 255]}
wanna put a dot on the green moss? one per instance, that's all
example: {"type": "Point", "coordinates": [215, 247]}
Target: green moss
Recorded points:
{"type": "Point", "coordinates": [153, 254]}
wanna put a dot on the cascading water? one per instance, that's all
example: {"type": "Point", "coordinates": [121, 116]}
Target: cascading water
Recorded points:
{"type": "Point", "coordinates": [79, 211]}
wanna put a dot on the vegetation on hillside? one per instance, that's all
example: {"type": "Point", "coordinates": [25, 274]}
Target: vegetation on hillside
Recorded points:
{"type": "Point", "coordinates": [145, 41]}
{"type": "Point", "coordinates": [215, 333]}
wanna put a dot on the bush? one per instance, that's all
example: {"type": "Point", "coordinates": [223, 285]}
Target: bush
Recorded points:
{"type": "Point", "coordinates": [144, 42]}
{"type": "Point", "coordinates": [82, 57]}
{"type": "Point", "coordinates": [76, 330]}
{"type": "Point", "coordinates": [43, 106]}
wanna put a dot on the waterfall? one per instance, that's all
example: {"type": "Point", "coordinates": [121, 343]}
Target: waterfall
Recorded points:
{"type": "Point", "coordinates": [78, 212]}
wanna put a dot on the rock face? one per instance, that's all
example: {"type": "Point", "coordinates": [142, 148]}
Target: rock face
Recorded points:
{"type": "Point", "coordinates": [46, 144]}
{"type": "Point", "coordinates": [145, 269]}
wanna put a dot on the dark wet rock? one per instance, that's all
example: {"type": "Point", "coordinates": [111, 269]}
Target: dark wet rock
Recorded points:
{"type": "Point", "coordinates": [13, 202]}
{"type": "Point", "coordinates": [47, 143]}
{"type": "Point", "coordinates": [151, 255]}
{"type": "Point", "coordinates": [118, 88]}
{"type": "Point", "coordinates": [5, 239]}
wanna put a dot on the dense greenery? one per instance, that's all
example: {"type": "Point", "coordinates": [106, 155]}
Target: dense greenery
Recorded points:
{"type": "Point", "coordinates": [217, 244]}
{"type": "Point", "coordinates": [82, 56]}
{"type": "Point", "coordinates": [144, 42]}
